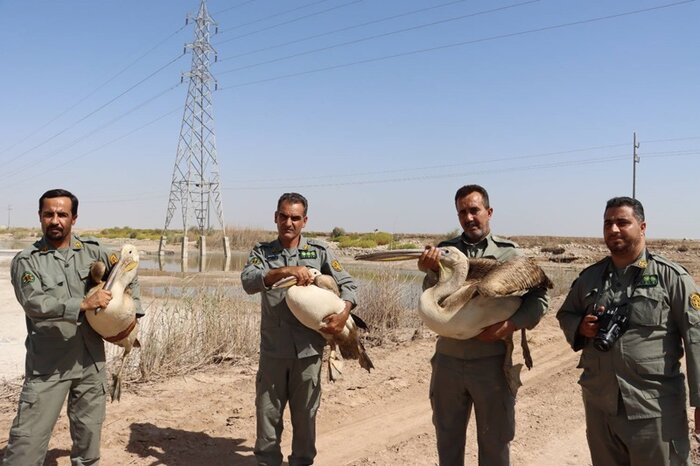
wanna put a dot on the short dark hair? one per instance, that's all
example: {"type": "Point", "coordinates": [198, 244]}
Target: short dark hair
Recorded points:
{"type": "Point", "coordinates": [624, 201]}
{"type": "Point", "coordinates": [473, 188]}
{"type": "Point", "coordinates": [293, 198]}
{"type": "Point", "coordinates": [51, 193]}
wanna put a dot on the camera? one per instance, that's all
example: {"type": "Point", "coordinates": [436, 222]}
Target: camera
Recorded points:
{"type": "Point", "coordinates": [613, 322]}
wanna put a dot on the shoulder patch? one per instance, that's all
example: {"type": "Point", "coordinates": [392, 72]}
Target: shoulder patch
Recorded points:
{"type": "Point", "coordinates": [113, 259]}
{"type": "Point", "coordinates": [27, 277]}
{"type": "Point", "coordinates": [77, 245]}
{"type": "Point", "coordinates": [695, 301]}
{"type": "Point", "coordinates": [254, 261]}
{"type": "Point", "coordinates": [336, 266]}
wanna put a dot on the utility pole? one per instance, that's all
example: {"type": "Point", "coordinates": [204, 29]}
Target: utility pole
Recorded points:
{"type": "Point", "coordinates": [9, 209]}
{"type": "Point", "coordinates": [195, 186]}
{"type": "Point", "coordinates": [635, 161]}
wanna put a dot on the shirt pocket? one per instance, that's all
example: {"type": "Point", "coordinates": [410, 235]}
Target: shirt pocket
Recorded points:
{"type": "Point", "coordinates": [647, 310]}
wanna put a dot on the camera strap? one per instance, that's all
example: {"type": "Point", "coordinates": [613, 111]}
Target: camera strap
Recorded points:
{"type": "Point", "coordinates": [637, 280]}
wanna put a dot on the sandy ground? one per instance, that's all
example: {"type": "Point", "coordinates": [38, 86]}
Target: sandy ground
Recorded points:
{"type": "Point", "coordinates": [383, 418]}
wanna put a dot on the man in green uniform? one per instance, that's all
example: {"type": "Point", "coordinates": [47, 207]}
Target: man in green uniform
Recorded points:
{"type": "Point", "coordinates": [65, 356]}
{"type": "Point", "coordinates": [470, 373]}
{"type": "Point", "coordinates": [632, 384]}
{"type": "Point", "coordinates": [290, 353]}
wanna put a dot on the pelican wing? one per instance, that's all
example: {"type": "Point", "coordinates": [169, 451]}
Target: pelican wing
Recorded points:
{"type": "Point", "coordinates": [516, 275]}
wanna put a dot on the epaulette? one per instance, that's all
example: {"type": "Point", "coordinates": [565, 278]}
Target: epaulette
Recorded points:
{"type": "Point", "coordinates": [678, 268]}
{"type": "Point", "coordinates": [600, 262]}
{"type": "Point", "coordinates": [271, 246]}
{"type": "Point", "coordinates": [87, 239]}
{"type": "Point", "coordinates": [317, 242]}
{"type": "Point", "coordinates": [504, 241]}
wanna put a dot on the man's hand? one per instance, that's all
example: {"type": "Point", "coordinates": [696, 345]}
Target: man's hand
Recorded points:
{"type": "Point", "coordinates": [589, 325]}
{"type": "Point", "coordinates": [301, 273]}
{"type": "Point", "coordinates": [497, 331]}
{"type": "Point", "coordinates": [335, 323]}
{"type": "Point", "coordinates": [429, 260]}
{"type": "Point", "coordinates": [98, 300]}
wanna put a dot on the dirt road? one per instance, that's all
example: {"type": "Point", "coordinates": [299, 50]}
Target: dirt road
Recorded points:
{"type": "Point", "coordinates": [382, 418]}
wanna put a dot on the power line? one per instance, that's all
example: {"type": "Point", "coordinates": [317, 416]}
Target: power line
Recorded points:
{"type": "Point", "coordinates": [456, 44]}
{"type": "Point", "coordinates": [347, 28]}
{"type": "Point", "coordinates": [91, 93]}
{"type": "Point", "coordinates": [233, 7]}
{"type": "Point", "coordinates": [96, 130]}
{"type": "Point", "coordinates": [440, 176]}
{"type": "Point", "coordinates": [85, 117]}
{"type": "Point", "coordinates": [265, 18]}
{"type": "Point", "coordinates": [547, 165]}
{"type": "Point", "coordinates": [443, 166]}
{"type": "Point", "coordinates": [91, 151]}
{"type": "Point", "coordinates": [384, 34]}
{"type": "Point", "coordinates": [293, 20]}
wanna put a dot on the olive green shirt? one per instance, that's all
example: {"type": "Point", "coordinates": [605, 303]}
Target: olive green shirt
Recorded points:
{"type": "Point", "coordinates": [50, 285]}
{"type": "Point", "coordinates": [643, 367]}
{"type": "Point", "coordinates": [281, 334]}
{"type": "Point", "coordinates": [534, 306]}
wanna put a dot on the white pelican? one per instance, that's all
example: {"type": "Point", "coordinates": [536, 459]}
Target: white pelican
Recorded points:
{"type": "Point", "coordinates": [311, 304]}
{"type": "Point", "coordinates": [472, 294]}
{"type": "Point", "coordinates": [117, 322]}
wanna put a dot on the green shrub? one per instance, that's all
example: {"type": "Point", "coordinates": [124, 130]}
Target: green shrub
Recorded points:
{"type": "Point", "coordinates": [382, 238]}
{"type": "Point", "coordinates": [337, 232]}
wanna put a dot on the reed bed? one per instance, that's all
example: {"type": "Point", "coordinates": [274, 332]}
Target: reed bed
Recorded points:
{"type": "Point", "coordinates": [204, 326]}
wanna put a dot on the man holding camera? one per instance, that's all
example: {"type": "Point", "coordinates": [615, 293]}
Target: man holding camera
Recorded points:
{"type": "Point", "coordinates": [632, 314]}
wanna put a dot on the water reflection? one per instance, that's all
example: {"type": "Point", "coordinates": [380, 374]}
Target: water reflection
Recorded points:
{"type": "Point", "coordinates": [213, 262]}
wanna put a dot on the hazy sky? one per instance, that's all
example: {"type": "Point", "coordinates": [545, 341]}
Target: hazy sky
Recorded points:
{"type": "Point", "coordinates": [376, 110]}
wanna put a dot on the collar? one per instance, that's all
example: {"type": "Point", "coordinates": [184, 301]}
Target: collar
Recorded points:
{"type": "Point", "coordinates": [640, 263]}
{"type": "Point", "coordinates": [482, 243]}
{"type": "Point", "coordinates": [76, 244]}
{"type": "Point", "coordinates": [278, 248]}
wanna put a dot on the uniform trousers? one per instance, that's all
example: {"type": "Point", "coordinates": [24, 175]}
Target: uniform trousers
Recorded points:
{"type": "Point", "coordinates": [40, 404]}
{"type": "Point", "coordinates": [456, 386]}
{"type": "Point", "coordinates": [280, 381]}
{"type": "Point", "coordinates": [618, 441]}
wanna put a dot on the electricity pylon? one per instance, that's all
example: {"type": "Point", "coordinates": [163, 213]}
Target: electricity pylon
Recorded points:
{"type": "Point", "coordinates": [195, 186]}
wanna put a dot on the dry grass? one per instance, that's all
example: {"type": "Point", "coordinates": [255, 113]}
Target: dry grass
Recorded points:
{"type": "Point", "coordinates": [388, 300]}
{"type": "Point", "coordinates": [245, 238]}
{"type": "Point", "coordinates": [206, 326]}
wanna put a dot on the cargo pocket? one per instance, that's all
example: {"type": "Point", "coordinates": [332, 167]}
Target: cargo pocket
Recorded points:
{"type": "Point", "coordinates": [23, 422]}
